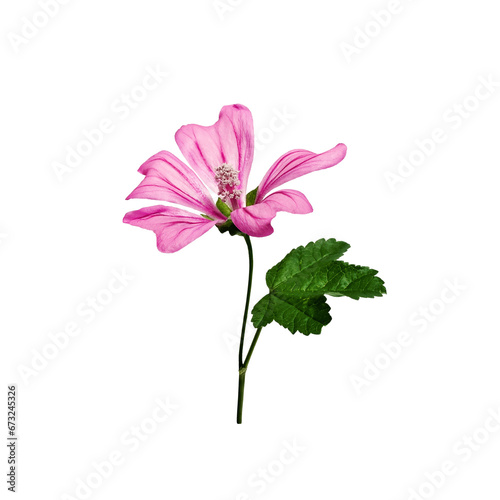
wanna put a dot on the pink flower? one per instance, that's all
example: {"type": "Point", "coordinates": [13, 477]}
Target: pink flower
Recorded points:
{"type": "Point", "coordinates": [221, 156]}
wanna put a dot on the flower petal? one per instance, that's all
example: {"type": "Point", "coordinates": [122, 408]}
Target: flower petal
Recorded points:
{"type": "Point", "coordinates": [230, 140]}
{"type": "Point", "coordinates": [174, 228]}
{"type": "Point", "coordinates": [256, 219]}
{"type": "Point", "coordinates": [297, 163]}
{"type": "Point", "coordinates": [169, 179]}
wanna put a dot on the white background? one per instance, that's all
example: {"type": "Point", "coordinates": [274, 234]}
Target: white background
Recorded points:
{"type": "Point", "coordinates": [169, 332]}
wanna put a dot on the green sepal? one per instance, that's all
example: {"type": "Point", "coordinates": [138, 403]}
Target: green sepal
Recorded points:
{"type": "Point", "coordinates": [223, 207]}
{"type": "Point", "coordinates": [251, 197]}
{"type": "Point", "coordinates": [229, 227]}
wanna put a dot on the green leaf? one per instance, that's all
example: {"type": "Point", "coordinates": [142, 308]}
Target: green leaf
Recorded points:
{"type": "Point", "coordinates": [316, 254]}
{"type": "Point", "coordinates": [251, 197]}
{"type": "Point", "coordinates": [355, 282]}
{"type": "Point", "coordinates": [306, 315]}
{"type": "Point", "coordinates": [223, 207]}
{"type": "Point", "coordinates": [336, 278]}
{"type": "Point", "coordinates": [298, 285]}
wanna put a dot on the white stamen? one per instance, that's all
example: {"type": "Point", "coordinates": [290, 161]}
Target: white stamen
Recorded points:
{"type": "Point", "coordinates": [227, 179]}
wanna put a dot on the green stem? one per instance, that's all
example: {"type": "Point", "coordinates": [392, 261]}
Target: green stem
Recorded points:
{"type": "Point", "coordinates": [242, 372]}
{"type": "Point", "coordinates": [241, 378]}
{"type": "Point", "coordinates": [241, 390]}
{"type": "Point", "coordinates": [252, 347]}
{"type": "Point", "coordinates": [247, 303]}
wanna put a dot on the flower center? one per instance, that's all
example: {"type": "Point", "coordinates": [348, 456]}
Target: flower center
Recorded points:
{"type": "Point", "coordinates": [227, 179]}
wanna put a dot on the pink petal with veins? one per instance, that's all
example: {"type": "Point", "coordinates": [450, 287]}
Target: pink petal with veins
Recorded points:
{"type": "Point", "coordinates": [169, 179]}
{"type": "Point", "coordinates": [230, 140]}
{"type": "Point", "coordinates": [297, 163]}
{"type": "Point", "coordinates": [256, 219]}
{"type": "Point", "coordinates": [174, 228]}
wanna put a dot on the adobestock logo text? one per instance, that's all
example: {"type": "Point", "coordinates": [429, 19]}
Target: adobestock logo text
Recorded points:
{"type": "Point", "coordinates": [420, 321]}
{"type": "Point", "coordinates": [265, 476]}
{"type": "Point", "coordinates": [371, 29]}
{"type": "Point", "coordinates": [130, 442]}
{"type": "Point", "coordinates": [223, 7]}
{"type": "Point", "coordinates": [280, 120]}
{"type": "Point", "coordinates": [32, 25]}
{"type": "Point", "coordinates": [86, 313]}
{"type": "Point", "coordinates": [453, 118]}
{"type": "Point", "coordinates": [121, 108]}
{"type": "Point", "coordinates": [462, 451]}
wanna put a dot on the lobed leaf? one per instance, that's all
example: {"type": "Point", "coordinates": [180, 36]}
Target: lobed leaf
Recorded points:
{"type": "Point", "coordinates": [315, 254]}
{"type": "Point", "coordinates": [298, 285]}
{"type": "Point", "coordinates": [336, 278]}
{"type": "Point", "coordinates": [304, 314]}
